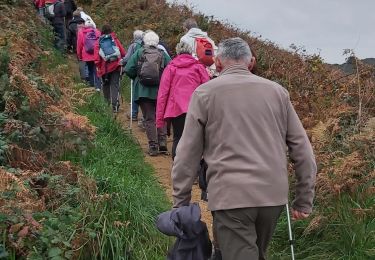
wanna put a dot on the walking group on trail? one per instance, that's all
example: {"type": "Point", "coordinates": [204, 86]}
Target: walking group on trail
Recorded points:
{"type": "Point", "coordinates": [232, 128]}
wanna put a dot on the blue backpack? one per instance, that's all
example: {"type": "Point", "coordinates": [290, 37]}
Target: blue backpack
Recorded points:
{"type": "Point", "coordinates": [108, 49]}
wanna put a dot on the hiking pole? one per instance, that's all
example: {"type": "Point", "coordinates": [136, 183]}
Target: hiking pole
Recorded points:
{"type": "Point", "coordinates": [131, 105]}
{"type": "Point", "coordinates": [291, 241]}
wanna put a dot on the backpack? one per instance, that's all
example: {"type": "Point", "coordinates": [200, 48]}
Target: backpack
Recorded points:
{"type": "Point", "coordinates": [205, 51]}
{"type": "Point", "coordinates": [50, 10]}
{"type": "Point", "coordinates": [108, 50]}
{"type": "Point", "coordinates": [89, 42]}
{"type": "Point", "coordinates": [150, 66]}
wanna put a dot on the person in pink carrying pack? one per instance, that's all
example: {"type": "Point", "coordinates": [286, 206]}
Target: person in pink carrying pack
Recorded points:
{"type": "Point", "coordinates": [86, 39]}
{"type": "Point", "coordinates": [180, 78]}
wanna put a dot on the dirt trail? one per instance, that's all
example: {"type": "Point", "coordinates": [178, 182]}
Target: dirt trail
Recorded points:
{"type": "Point", "coordinates": [162, 164]}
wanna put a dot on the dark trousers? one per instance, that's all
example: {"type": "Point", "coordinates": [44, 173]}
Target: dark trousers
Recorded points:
{"type": "Point", "coordinates": [94, 81]}
{"type": "Point", "coordinates": [155, 136]}
{"type": "Point", "coordinates": [111, 88]}
{"type": "Point", "coordinates": [245, 233]}
{"type": "Point", "coordinates": [59, 31]}
{"type": "Point", "coordinates": [178, 124]}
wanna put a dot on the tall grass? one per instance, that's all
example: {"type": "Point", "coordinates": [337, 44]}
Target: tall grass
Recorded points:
{"type": "Point", "coordinates": [124, 225]}
{"type": "Point", "coordinates": [345, 235]}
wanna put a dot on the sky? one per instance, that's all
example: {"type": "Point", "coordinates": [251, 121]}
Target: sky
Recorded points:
{"type": "Point", "coordinates": [321, 26]}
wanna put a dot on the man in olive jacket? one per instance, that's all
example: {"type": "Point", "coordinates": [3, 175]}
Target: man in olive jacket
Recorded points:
{"type": "Point", "coordinates": [244, 126]}
{"type": "Point", "coordinates": [146, 97]}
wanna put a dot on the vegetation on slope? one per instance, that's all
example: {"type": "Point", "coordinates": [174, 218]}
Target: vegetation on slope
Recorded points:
{"type": "Point", "coordinates": [71, 186]}
{"type": "Point", "coordinates": [337, 110]}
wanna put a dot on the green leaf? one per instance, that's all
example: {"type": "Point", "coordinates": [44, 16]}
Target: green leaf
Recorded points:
{"type": "Point", "coordinates": [54, 251]}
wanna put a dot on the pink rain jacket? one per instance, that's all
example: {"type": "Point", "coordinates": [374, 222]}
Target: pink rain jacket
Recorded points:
{"type": "Point", "coordinates": [81, 52]}
{"type": "Point", "coordinates": [180, 78]}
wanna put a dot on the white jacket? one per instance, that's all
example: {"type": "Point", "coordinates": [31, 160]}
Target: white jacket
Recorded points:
{"type": "Point", "coordinates": [88, 20]}
{"type": "Point", "coordinates": [194, 33]}
{"type": "Point", "coordinates": [190, 37]}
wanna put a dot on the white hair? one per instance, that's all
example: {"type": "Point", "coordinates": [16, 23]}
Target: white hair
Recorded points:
{"type": "Point", "coordinates": [151, 38]}
{"type": "Point", "coordinates": [138, 35]}
{"type": "Point", "coordinates": [235, 49]}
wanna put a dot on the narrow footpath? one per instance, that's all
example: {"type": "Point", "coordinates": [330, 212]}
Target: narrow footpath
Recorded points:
{"type": "Point", "coordinates": [162, 164]}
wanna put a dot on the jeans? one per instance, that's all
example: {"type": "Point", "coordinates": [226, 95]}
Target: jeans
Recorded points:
{"type": "Point", "coordinates": [111, 88]}
{"type": "Point", "coordinates": [155, 136]}
{"type": "Point", "coordinates": [94, 81]}
{"type": "Point", "coordinates": [178, 124]}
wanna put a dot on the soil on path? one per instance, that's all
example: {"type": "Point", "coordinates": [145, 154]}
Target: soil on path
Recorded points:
{"type": "Point", "coordinates": [162, 164]}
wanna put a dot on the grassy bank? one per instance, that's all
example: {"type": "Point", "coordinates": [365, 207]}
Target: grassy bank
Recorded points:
{"type": "Point", "coordinates": [132, 197]}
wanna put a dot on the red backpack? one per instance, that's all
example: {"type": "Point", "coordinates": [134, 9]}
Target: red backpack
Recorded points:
{"type": "Point", "coordinates": [205, 51]}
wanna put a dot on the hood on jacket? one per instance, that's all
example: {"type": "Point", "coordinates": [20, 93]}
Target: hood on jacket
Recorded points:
{"type": "Point", "coordinates": [196, 32]}
{"type": "Point", "coordinates": [183, 61]}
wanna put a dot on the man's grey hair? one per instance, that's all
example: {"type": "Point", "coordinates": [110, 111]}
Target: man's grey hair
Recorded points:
{"type": "Point", "coordinates": [138, 35]}
{"type": "Point", "coordinates": [184, 47]}
{"type": "Point", "coordinates": [190, 23]}
{"type": "Point", "coordinates": [235, 49]}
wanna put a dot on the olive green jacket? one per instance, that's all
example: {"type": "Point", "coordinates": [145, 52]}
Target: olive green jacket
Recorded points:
{"type": "Point", "coordinates": [140, 91]}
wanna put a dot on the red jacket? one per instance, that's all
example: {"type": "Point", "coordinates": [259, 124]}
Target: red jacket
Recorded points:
{"type": "Point", "coordinates": [81, 52]}
{"type": "Point", "coordinates": [107, 67]}
{"type": "Point", "coordinates": [40, 3]}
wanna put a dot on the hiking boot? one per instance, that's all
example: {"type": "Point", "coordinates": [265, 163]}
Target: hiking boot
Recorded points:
{"type": "Point", "coordinates": [116, 108]}
{"type": "Point", "coordinates": [153, 151]}
{"type": "Point", "coordinates": [163, 147]}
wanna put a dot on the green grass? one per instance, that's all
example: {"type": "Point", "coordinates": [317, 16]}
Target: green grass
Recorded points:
{"type": "Point", "coordinates": [341, 236]}
{"type": "Point", "coordinates": [117, 164]}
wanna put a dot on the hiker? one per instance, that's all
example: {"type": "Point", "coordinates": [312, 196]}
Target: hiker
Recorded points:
{"type": "Point", "coordinates": [55, 12]}
{"type": "Point", "coordinates": [108, 52]}
{"type": "Point", "coordinates": [76, 23]}
{"type": "Point", "coordinates": [203, 47]}
{"type": "Point", "coordinates": [88, 20]}
{"type": "Point", "coordinates": [40, 5]}
{"type": "Point", "coordinates": [86, 40]}
{"type": "Point", "coordinates": [133, 47]}
{"type": "Point", "coordinates": [145, 68]}
{"type": "Point", "coordinates": [180, 78]}
{"type": "Point", "coordinates": [70, 7]}
{"type": "Point", "coordinates": [243, 124]}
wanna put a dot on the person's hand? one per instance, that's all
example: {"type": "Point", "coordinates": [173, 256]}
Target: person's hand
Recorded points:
{"type": "Point", "coordinates": [298, 215]}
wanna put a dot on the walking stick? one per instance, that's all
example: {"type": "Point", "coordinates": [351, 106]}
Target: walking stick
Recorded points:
{"type": "Point", "coordinates": [291, 241]}
{"type": "Point", "coordinates": [131, 105]}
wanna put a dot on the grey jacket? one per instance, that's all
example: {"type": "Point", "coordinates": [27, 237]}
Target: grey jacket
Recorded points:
{"type": "Point", "coordinates": [193, 242]}
{"type": "Point", "coordinates": [244, 126]}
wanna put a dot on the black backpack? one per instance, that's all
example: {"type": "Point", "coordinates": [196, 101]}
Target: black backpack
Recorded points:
{"type": "Point", "coordinates": [150, 66]}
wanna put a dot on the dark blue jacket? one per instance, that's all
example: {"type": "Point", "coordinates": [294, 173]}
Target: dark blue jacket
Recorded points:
{"type": "Point", "coordinates": [193, 241]}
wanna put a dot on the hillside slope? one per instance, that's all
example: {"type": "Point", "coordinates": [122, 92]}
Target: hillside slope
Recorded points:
{"type": "Point", "coordinates": [73, 183]}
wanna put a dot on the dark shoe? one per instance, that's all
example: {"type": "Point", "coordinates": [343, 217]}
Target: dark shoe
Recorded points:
{"type": "Point", "coordinates": [153, 151]}
{"type": "Point", "coordinates": [163, 147]}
